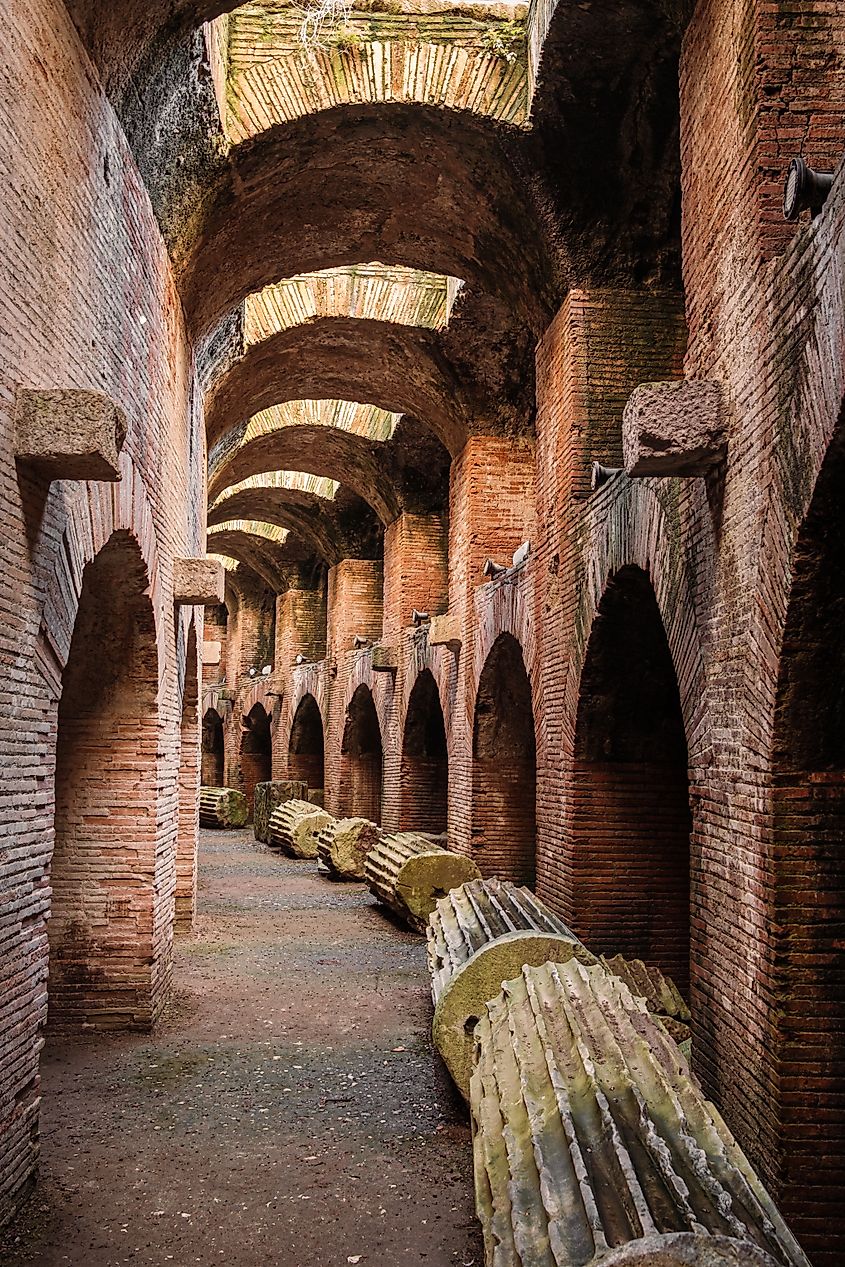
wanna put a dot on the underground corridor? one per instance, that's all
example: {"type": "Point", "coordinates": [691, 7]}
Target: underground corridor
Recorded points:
{"type": "Point", "coordinates": [289, 1109]}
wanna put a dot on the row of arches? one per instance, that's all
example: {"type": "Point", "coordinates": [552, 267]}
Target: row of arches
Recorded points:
{"type": "Point", "coordinates": [626, 833]}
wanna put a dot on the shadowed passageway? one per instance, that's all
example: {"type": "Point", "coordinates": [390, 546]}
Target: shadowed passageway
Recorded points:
{"type": "Point", "coordinates": [288, 1111]}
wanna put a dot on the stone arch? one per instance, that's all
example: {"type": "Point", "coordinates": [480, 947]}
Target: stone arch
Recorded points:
{"type": "Point", "coordinates": [189, 782]}
{"type": "Point", "coordinates": [424, 768]}
{"type": "Point", "coordinates": [504, 767]}
{"type": "Point", "coordinates": [106, 944]}
{"type": "Point", "coordinates": [213, 749]}
{"type": "Point", "coordinates": [807, 906]}
{"type": "Point", "coordinates": [256, 751]}
{"type": "Point", "coordinates": [306, 746]}
{"type": "Point", "coordinates": [361, 758]}
{"type": "Point", "coordinates": [628, 810]}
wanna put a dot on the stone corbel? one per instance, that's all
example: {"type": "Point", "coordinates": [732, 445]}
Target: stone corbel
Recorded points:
{"type": "Point", "coordinates": [68, 434]}
{"type": "Point", "coordinates": [198, 582]}
{"type": "Point", "coordinates": [384, 659]}
{"type": "Point", "coordinates": [674, 429]}
{"type": "Point", "coordinates": [445, 631]}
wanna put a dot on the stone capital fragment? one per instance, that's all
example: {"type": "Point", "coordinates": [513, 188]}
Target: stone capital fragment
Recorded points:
{"type": "Point", "coordinates": [69, 434]}
{"type": "Point", "coordinates": [674, 429]}
{"type": "Point", "coordinates": [198, 582]}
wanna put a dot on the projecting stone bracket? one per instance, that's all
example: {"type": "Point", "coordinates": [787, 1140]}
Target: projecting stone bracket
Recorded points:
{"type": "Point", "coordinates": [198, 582]}
{"type": "Point", "coordinates": [69, 434]}
{"type": "Point", "coordinates": [674, 429]}
{"type": "Point", "coordinates": [445, 631]}
{"type": "Point", "coordinates": [385, 659]}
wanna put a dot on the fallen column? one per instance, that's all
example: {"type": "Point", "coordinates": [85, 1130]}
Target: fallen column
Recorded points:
{"type": "Point", "coordinates": [409, 872]}
{"type": "Point", "coordinates": [592, 1145]}
{"type": "Point", "coordinates": [663, 998]}
{"type": "Point", "coordinates": [222, 807]}
{"type": "Point", "coordinates": [343, 845]}
{"type": "Point", "coordinates": [480, 935]}
{"type": "Point", "coordinates": [293, 828]}
{"type": "Point", "coordinates": [267, 797]}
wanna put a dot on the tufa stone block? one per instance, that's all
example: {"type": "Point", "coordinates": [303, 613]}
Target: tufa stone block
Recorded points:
{"type": "Point", "coordinates": [69, 434]}
{"type": "Point", "coordinates": [674, 429]}
{"type": "Point", "coordinates": [268, 797]}
{"type": "Point", "coordinates": [198, 582]}
{"type": "Point", "coordinates": [445, 631]}
{"type": "Point", "coordinates": [385, 659]}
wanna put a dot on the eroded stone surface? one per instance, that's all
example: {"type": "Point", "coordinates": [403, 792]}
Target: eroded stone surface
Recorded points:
{"type": "Point", "coordinates": [70, 434]}
{"type": "Point", "coordinates": [674, 429]}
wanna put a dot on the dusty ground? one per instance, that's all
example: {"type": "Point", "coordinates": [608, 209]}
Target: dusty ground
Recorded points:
{"type": "Point", "coordinates": [289, 1110]}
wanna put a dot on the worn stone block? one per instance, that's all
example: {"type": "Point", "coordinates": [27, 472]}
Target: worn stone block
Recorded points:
{"type": "Point", "coordinates": [674, 429]}
{"type": "Point", "coordinates": [409, 871]}
{"type": "Point", "coordinates": [385, 659]}
{"type": "Point", "coordinates": [445, 631]}
{"type": "Point", "coordinates": [211, 652]}
{"type": "Point", "coordinates": [69, 434]}
{"type": "Point", "coordinates": [198, 582]}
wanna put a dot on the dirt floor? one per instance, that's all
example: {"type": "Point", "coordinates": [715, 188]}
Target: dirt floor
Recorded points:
{"type": "Point", "coordinates": [289, 1109]}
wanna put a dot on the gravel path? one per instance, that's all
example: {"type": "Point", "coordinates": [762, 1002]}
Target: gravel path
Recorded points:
{"type": "Point", "coordinates": [289, 1110]}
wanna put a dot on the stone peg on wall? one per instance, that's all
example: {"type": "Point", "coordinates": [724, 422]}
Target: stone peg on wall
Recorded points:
{"type": "Point", "coordinates": [593, 1145]}
{"type": "Point", "coordinates": [198, 582]}
{"type": "Point", "coordinates": [674, 429]}
{"type": "Point", "coordinates": [69, 434]}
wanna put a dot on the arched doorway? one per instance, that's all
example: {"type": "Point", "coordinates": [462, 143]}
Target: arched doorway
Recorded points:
{"type": "Point", "coordinates": [629, 815]}
{"type": "Point", "coordinates": [361, 759]}
{"type": "Point", "coordinates": [212, 749]}
{"type": "Point", "coordinates": [504, 767]}
{"type": "Point", "coordinates": [189, 780]}
{"type": "Point", "coordinates": [256, 751]}
{"type": "Point", "coordinates": [808, 906]}
{"type": "Point", "coordinates": [424, 773]}
{"type": "Point", "coordinates": [306, 746]}
{"type": "Point", "coordinates": [104, 952]}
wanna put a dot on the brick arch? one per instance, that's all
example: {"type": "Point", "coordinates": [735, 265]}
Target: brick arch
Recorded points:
{"type": "Point", "coordinates": [806, 980]}
{"type": "Point", "coordinates": [504, 766]}
{"type": "Point", "coordinates": [630, 527]}
{"type": "Point", "coordinates": [631, 531]}
{"type": "Point", "coordinates": [92, 513]}
{"type": "Point", "coordinates": [627, 804]}
{"type": "Point", "coordinates": [107, 943]}
{"type": "Point", "coordinates": [424, 761]}
{"type": "Point", "coordinates": [361, 757]}
{"type": "Point", "coordinates": [402, 369]}
{"type": "Point", "coordinates": [213, 748]}
{"type": "Point", "coordinates": [255, 750]}
{"type": "Point", "coordinates": [307, 743]}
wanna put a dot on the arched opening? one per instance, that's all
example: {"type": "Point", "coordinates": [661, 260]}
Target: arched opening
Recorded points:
{"type": "Point", "coordinates": [306, 747]}
{"type": "Point", "coordinates": [107, 938]}
{"type": "Point", "coordinates": [256, 752]}
{"type": "Point", "coordinates": [189, 780]}
{"type": "Point", "coordinates": [504, 767]}
{"type": "Point", "coordinates": [629, 797]}
{"type": "Point", "coordinates": [808, 916]}
{"type": "Point", "coordinates": [361, 759]}
{"type": "Point", "coordinates": [424, 776]}
{"type": "Point", "coordinates": [212, 749]}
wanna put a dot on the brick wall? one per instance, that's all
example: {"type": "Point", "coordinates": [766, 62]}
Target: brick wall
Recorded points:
{"type": "Point", "coordinates": [189, 781]}
{"type": "Point", "coordinates": [86, 301]}
{"type": "Point", "coordinates": [415, 570]}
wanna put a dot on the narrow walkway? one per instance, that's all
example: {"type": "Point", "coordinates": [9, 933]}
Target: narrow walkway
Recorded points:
{"type": "Point", "coordinates": [289, 1111]}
